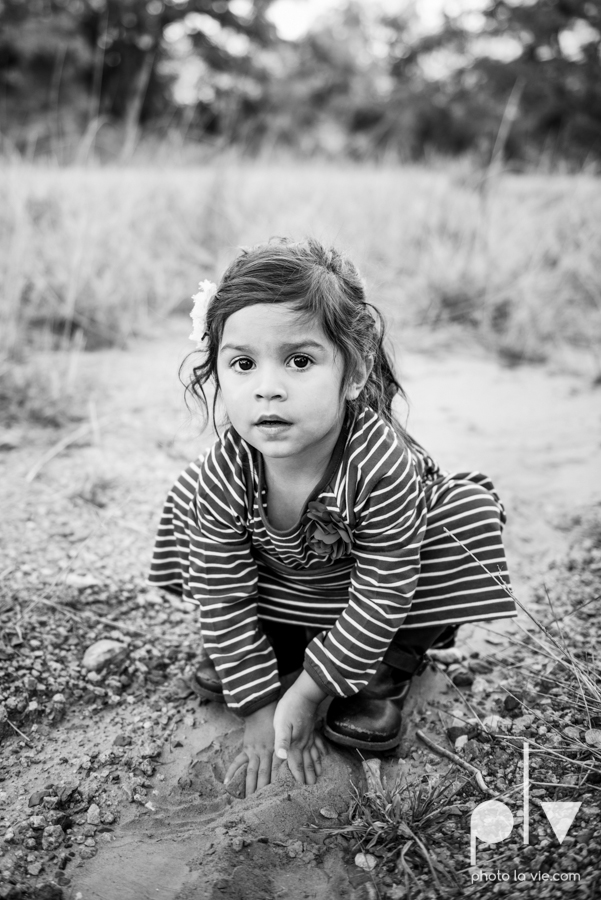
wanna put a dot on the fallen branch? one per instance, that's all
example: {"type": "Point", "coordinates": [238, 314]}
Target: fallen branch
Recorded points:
{"type": "Point", "coordinates": [114, 623]}
{"type": "Point", "coordinates": [457, 760]}
{"type": "Point", "coordinates": [20, 733]}
{"type": "Point", "coordinates": [56, 449]}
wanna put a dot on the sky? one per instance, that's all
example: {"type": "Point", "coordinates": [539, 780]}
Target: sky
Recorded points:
{"type": "Point", "coordinates": [293, 18]}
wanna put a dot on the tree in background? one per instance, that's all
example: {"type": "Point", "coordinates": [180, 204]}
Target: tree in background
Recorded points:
{"type": "Point", "coordinates": [544, 53]}
{"type": "Point", "coordinates": [106, 57]}
{"type": "Point", "coordinates": [360, 83]}
{"type": "Point", "coordinates": [557, 61]}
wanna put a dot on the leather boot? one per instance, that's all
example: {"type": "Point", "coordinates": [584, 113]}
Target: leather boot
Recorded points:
{"type": "Point", "coordinates": [446, 639]}
{"type": "Point", "coordinates": [288, 642]}
{"type": "Point", "coordinates": [371, 719]}
{"type": "Point", "coordinates": [205, 681]}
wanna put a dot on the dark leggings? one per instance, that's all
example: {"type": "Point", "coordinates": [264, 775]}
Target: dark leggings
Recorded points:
{"type": "Point", "coordinates": [405, 654]}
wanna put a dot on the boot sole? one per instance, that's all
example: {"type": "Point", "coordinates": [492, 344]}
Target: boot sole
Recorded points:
{"type": "Point", "coordinates": [348, 741]}
{"type": "Point", "coordinates": [204, 692]}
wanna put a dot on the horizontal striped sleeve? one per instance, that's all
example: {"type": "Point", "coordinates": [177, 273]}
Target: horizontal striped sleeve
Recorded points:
{"type": "Point", "coordinates": [386, 547]}
{"type": "Point", "coordinates": [223, 580]}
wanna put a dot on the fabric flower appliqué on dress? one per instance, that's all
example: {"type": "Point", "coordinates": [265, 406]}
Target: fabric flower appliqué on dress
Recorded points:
{"type": "Point", "coordinates": [327, 533]}
{"type": "Point", "coordinates": [206, 292]}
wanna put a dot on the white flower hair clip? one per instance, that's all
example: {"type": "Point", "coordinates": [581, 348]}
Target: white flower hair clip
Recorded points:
{"type": "Point", "coordinates": [206, 292]}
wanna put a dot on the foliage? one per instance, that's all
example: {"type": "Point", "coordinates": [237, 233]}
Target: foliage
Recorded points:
{"type": "Point", "coordinates": [400, 823]}
{"type": "Point", "coordinates": [360, 83]}
{"type": "Point", "coordinates": [109, 58]}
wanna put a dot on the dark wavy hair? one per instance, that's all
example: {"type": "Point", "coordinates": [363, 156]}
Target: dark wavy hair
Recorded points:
{"type": "Point", "coordinates": [320, 283]}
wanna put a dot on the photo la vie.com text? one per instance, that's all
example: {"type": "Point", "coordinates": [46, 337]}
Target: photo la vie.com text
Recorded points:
{"type": "Point", "coordinates": [493, 821]}
{"type": "Point", "coordinates": [543, 877]}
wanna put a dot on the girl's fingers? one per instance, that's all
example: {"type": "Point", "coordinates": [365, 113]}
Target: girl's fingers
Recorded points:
{"type": "Point", "coordinates": [252, 774]}
{"type": "Point", "coordinates": [258, 773]}
{"type": "Point", "coordinates": [309, 767]}
{"type": "Point", "coordinates": [264, 776]}
{"type": "Point", "coordinates": [282, 741]}
{"type": "Point", "coordinates": [239, 761]}
{"type": "Point", "coordinates": [276, 764]}
{"type": "Point", "coordinates": [321, 745]}
{"type": "Point", "coordinates": [296, 766]}
{"type": "Point", "coordinates": [315, 756]}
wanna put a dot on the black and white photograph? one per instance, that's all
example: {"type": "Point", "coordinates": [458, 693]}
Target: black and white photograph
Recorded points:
{"type": "Point", "coordinates": [300, 449]}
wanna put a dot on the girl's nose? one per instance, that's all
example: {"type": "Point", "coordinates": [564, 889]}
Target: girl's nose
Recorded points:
{"type": "Point", "coordinates": [269, 386]}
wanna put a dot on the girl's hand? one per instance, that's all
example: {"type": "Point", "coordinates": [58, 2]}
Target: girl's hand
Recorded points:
{"type": "Point", "coordinates": [257, 750]}
{"type": "Point", "coordinates": [294, 725]}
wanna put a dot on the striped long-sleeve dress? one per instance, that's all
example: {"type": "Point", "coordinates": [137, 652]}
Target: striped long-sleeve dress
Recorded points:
{"type": "Point", "coordinates": [385, 540]}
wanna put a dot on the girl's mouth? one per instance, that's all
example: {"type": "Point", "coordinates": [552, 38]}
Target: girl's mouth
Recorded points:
{"type": "Point", "coordinates": [273, 426]}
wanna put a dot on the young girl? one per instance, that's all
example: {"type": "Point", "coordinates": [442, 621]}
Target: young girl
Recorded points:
{"type": "Point", "coordinates": [316, 532]}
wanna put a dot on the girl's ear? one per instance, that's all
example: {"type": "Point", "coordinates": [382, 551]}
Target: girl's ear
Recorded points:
{"type": "Point", "coordinates": [359, 379]}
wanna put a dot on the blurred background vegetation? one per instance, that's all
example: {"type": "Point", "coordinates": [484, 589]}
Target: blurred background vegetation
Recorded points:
{"type": "Point", "coordinates": [366, 81]}
{"type": "Point", "coordinates": [143, 141]}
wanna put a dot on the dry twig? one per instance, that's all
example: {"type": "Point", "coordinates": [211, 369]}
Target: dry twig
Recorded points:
{"type": "Point", "coordinates": [457, 760]}
{"type": "Point", "coordinates": [56, 449]}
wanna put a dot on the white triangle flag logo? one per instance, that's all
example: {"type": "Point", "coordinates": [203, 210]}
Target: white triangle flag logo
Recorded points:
{"type": "Point", "coordinates": [560, 814]}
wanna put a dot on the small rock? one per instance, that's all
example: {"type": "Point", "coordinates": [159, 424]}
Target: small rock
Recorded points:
{"type": "Point", "coordinates": [151, 750]}
{"type": "Point", "coordinates": [446, 657]}
{"type": "Point", "coordinates": [93, 815]}
{"type": "Point", "coordinates": [328, 813]}
{"type": "Point", "coordinates": [480, 666]}
{"type": "Point", "coordinates": [295, 848]}
{"type": "Point", "coordinates": [462, 677]}
{"type": "Point", "coordinates": [573, 732]}
{"type": "Point", "coordinates": [461, 741]}
{"type": "Point", "coordinates": [122, 740]}
{"type": "Point", "coordinates": [37, 822]}
{"type": "Point", "coordinates": [89, 842]}
{"type": "Point", "coordinates": [480, 685]}
{"type": "Point", "coordinates": [87, 852]}
{"type": "Point", "coordinates": [34, 868]}
{"type": "Point", "coordinates": [366, 861]}
{"type": "Point", "coordinates": [66, 792]}
{"type": "Point", "coordinates": [103, 652]}
{"type": "Point", "coordinates": [81, 582]}
{"type": "Point", "coordinates": [237, 844]}
{"type": "Point", "coordinates": [397, 892]}
{"type": "Point", "coordinates": [521, 724]}
{"type": "Point", "coordinates": [10, 440]}
{"type": "Point", "coordinates": [593, 737]}
{"type": "Point", "coordinates": [472, 749]}
{"type": "Point", "coordinates": [511, 703]}
{"type": "Point", "coordinates": [36, 798]}
{"type": "Point", "coordinates": [494, 724]}
{"type": "Point", "coordinates": [52, 837]}
{"type": "Point", "coordinates": [457, 731]}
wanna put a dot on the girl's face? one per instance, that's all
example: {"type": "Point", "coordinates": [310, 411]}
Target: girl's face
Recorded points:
{"type": "Point", "coordinates": [280, 380]}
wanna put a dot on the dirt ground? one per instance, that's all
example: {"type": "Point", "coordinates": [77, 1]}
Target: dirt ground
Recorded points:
{"type": "Point", "coordinates": [126, 767]}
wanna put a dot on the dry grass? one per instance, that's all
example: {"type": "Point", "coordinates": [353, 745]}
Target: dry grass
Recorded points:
{"type": "Point", "coordinates": [401, 824]}
{"type": "Point", "coordinates": [98, 254]}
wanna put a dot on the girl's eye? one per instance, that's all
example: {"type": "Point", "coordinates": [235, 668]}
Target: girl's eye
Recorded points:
{"type": "Point", "coordinates": [242, 364]}
{"type": "Point", "coordinates": [300, 361]}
